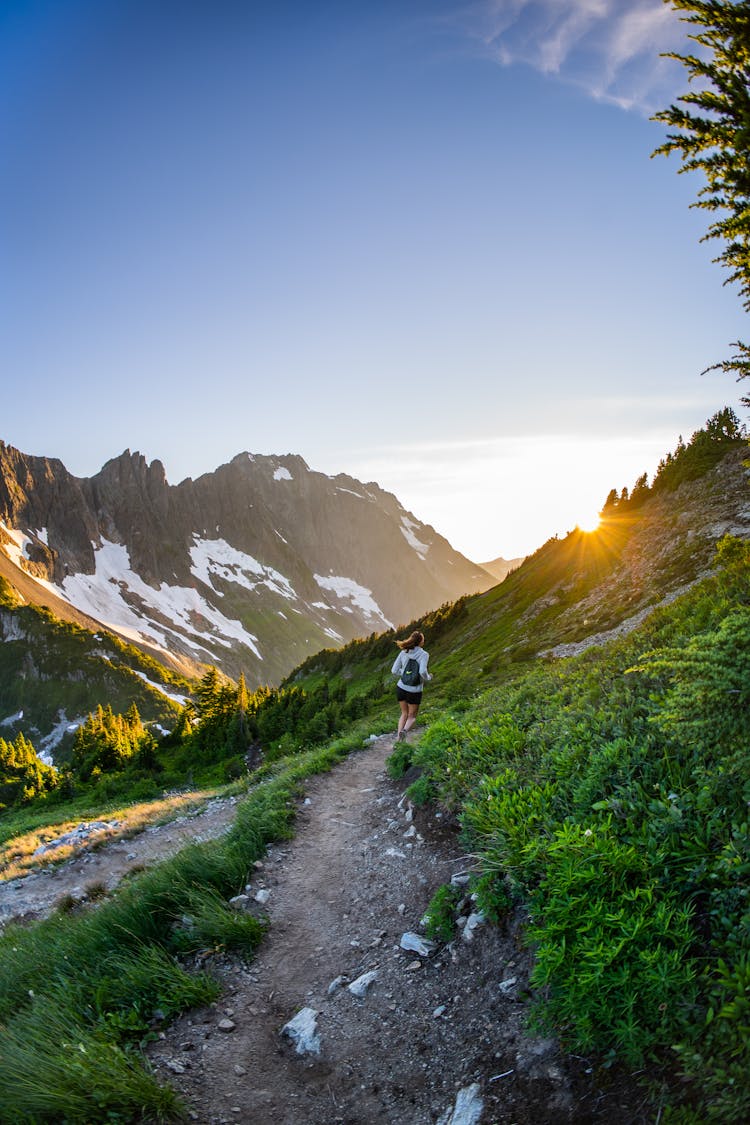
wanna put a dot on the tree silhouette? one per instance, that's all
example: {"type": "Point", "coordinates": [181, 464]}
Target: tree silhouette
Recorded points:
{"type": "Point", "coordinates": [713, 137]}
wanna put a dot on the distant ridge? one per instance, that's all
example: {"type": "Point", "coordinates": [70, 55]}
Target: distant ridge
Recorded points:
{"type": "Point", "coordinates": [500, 568]}
{"type": "Point", "coordinates": [251, 567]}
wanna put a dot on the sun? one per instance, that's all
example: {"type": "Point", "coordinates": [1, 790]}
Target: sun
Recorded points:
{"type": "Point", "coordinates": [590, 522]}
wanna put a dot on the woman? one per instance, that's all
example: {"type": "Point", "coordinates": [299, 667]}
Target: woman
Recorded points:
{"type": "Point", "coordinates": [411, 668]}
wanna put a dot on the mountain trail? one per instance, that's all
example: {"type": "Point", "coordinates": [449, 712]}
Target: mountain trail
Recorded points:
{"type": "Point", "coordinates": [432, 1036]}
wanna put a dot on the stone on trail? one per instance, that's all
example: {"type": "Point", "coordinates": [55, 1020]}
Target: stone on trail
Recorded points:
{"type": "Point", "coordinates": [226, 1025]}
{"type": "Point", "coordinates": [303, 1031]}
{"type": "Point", "coordinates": [262, 896]}
{"type": "Point", "coordinates": [467, 1109]}
{"type": "Point", "coordinates": [335, 985]}
{"type": "Point", "coordinates": [416, 944]}
{"type": "Point", "coordinates": [239, 902]}
{"type": "Point", "coordinates": [361, 985]}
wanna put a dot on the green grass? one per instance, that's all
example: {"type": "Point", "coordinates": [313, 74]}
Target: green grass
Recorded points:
{"type": "Point", "coordinates": [69, 1036]}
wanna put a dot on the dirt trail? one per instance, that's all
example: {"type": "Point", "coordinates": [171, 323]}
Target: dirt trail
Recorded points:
{"type": "Point", "coordinates": [359, 874]}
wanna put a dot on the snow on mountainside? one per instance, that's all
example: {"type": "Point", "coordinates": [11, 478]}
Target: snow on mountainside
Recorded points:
{"type": "Point", "coordinates": [251, 567]}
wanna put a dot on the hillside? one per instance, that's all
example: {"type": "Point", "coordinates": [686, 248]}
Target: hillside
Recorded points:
{"type": "Point", "coordinates": [53, 672]}
{"type": "Point", "coordinates": [585, 753]}
{"type": "Point", "coordinates": [248, 568]}
{"type": "Point", "coordinates": [575, 592]}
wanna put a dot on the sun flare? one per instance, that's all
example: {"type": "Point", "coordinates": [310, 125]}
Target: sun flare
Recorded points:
{"type": "Point", "coordinates": [590, 522]}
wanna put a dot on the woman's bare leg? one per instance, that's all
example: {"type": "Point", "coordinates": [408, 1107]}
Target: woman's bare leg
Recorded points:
{"type": "Point", "coordinates": [404, 715]}
{"type": "Point", "coordinates": [411, 716]}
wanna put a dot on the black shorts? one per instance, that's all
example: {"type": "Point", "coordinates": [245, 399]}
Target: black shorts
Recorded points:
{"type": "Point", "coordinates": [404, 696]}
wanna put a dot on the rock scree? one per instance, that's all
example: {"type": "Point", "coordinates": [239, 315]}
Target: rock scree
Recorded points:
{"type": "Point", "coordinates": [338, 1020]}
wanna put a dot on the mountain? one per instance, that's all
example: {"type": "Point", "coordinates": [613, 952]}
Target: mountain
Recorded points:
{"type": "Point", "coordinates": [501, 568]}
{"type": "Point", "coordinates": [250, 567]}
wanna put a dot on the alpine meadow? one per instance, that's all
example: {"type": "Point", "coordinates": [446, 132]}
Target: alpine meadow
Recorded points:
{"type": "Point", "coordinates": [584, 749]}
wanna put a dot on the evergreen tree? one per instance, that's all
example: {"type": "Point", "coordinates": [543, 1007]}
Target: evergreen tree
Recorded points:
{"type": "Point", "coordinates": [23, 775]}
{"type": "Point", "coordinates": [712, 136]}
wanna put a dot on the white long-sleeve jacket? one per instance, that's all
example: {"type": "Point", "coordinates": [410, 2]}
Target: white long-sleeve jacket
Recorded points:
{"type": "Point", "coordinates": [399, 664]}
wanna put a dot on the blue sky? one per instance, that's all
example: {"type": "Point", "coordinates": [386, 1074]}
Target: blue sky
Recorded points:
{"type": "Point", "coordinates": [422, 243]}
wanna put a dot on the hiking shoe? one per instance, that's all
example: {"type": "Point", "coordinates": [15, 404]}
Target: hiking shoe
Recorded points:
{"type": "Point", "coordinates": [401, 736]}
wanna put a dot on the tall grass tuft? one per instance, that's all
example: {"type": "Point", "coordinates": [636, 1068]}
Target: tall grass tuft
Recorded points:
{"type": "Point", "coordinates": [55, 1068]}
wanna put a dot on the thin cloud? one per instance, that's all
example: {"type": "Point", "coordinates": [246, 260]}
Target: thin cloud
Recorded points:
{"type": "Point", "coordinates": [610, 48]}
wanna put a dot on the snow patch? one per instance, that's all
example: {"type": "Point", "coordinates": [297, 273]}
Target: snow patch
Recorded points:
{"type": "Point", "coordinates": [54, 738]}
{"type": "Point", "coordinates": [407, 529]}
{"type": "Point", "coordinates": [216, 556]}
{"type": "Point", "coordinates": [358, 595]}
{"type": "Point", "coordinates": [102, 595]}
{"type": "Point", "coordinates": [181, 699]}
{"type": "Point", "coordinates": [282, 474]}
{"type": "Point", "coordinates": [18, 548]}
{"type": "Point", "coordinates": [11, 719]}
{"type": "Point", "coordinates": [351, 492]}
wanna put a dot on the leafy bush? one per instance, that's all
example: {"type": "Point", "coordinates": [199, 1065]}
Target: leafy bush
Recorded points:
{"type": "Point", "coordinates": [610, 792]}
{"type": "Point", "coordinates": [440, 921]}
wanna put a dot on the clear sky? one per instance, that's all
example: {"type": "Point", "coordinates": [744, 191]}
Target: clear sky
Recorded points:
{"type": "Point", "coordinates": [419, 242]}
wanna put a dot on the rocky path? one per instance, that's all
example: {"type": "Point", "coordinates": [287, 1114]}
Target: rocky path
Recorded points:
{"type": "Point", "coordinates": [432, 1037]}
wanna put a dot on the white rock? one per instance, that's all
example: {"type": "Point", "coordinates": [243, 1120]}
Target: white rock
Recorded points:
{"type": "Point", "coordinates": [417, 944]}
{"type": "Point", "coordinates": [335, 985]}
{"type": "Point", "coordinates": [472, 922]}
{"type": "Point", "coordinates": [303, 1031]}
{"type": "Point", "coordinates": [239, 902]}
{"type": "Point", "coordinates": [262, 896]}
{"type": "Point", "coordinates": [467, 1109]}
{"type": "Point", "coordinates": [361, 985]}
{"type": "Point", "coordinates": [410, 832]}
{"type": "Point", "coordinates": [507, 985]}
{"type": "Point", "coordinates": [394, 852]}
{"type": "Point", "coordinates": [460, 879]}
{"type": "Point", "coordinates": [226, 1025]}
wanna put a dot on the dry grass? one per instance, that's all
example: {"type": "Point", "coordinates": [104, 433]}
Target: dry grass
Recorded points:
{"type": "Point", "coordinates": [17, 855]}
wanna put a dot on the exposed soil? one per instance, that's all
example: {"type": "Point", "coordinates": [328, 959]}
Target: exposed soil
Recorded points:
{"type": "Point", "coordinates": [102, 865]}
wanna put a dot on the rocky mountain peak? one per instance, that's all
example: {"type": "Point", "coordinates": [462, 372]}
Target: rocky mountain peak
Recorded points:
{"type": "Point", "coordinates": [251, 567]}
